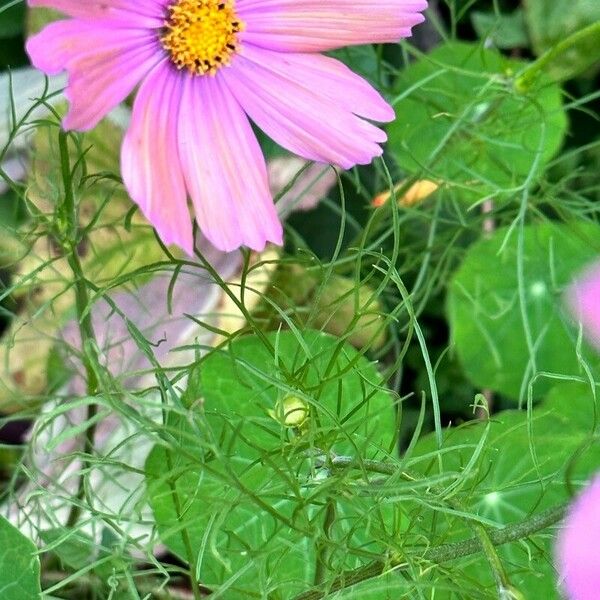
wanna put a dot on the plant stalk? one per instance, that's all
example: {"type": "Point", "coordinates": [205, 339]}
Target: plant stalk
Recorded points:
{"type": "Point", "coordinates": [69, 238]}
{"type": "Point", "coordinates": [525, 79]}
{"type": "Point", "coordinates": [440, 554]}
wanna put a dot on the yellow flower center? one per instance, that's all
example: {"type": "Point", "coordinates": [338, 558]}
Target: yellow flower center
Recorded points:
{"type": "Point", "coordinates": [201, 35]}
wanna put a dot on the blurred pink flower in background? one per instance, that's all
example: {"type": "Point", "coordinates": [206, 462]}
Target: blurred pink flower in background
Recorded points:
{"type": "Point", "coordinates": [166, 325]}
{"type": "Point", "coordinates": [577, 546]}
{"type": "Point", "coordinates": [204, 67]}
{"type": "Point", "coordinates": [305, 184]}
{"type": "Point", "coordinates": [118, 483]}
{"type": "Point", "coordinates": [175, 340]}
{"type": "Point", "coordinates": [583, 299]}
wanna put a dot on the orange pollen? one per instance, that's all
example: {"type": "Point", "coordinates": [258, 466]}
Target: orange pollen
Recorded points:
{"type": "Point", "coordinates": [201, 35]}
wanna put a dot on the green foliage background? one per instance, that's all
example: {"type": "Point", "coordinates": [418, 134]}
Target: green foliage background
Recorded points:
{"type": "Point", "coordinates": [401, 407]}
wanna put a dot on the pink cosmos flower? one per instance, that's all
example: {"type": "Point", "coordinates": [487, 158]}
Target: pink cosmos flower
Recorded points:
{"type": "Point", "coordinates": [577, 548]}
{"type": "Point", "coordinates": [205, 66]}
{"type": "Point", "coordinates": [583, 299]}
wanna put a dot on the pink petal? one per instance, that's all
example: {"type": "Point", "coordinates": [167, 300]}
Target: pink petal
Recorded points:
{"type": "Point", "coordinates": [584, 301]}
{"type": "Point", "coordinates": [145, 13]}
{"type": "Point", "coordinates": [104, 60]}
{"type": "Point", "coordinates": [308, 104]}
{"type": "Point", "coordinates": [224, 168]}
{"type": "Point", "coordinates": [577, 546]}
{"type": "Point", "coordinates": [318, 25]}
{"type": "Point", "coordinates": [150, 162]}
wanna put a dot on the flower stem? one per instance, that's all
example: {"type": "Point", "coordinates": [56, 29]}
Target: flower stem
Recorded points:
{"type": "Point", "coordinates": [441, 554]}
{"type": "Point", "coordinates": [185, 536]}
{"type": "Point", "coordinates": [525, 79]}
{"type": "Point", "coordinates": [481, 532]}
{"type": "Point", "coordinates": [70, 234]}
{"type": "Point", "coordinates": [322, 549]}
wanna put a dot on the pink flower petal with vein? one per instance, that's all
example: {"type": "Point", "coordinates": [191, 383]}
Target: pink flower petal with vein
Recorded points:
{"type": "Point", "coordinates": [319, 25]}
{"type": "Point", "coordinates": [103, 68]}
{"type": "Point", "coordinates": [224, 168]}
{"type": "Point", "coordinates": [309, 104]}
{"type": "Point", "coordinates": [150, 160]}
{"type": "Point", "coordinates": [144, 13]}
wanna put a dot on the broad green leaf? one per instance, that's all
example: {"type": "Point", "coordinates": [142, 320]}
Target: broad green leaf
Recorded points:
{"type": "Point", "coordinates": [362, 60]}
{"type": "Point", "coordinates": [519, 469]}
{"type": "Point", "coordinates": [256, 527]}
{"type": "Point", "coordinates": [460, 120]}
{"type": "Point", "coordinates": [551, 21]}
{"type": "Point", "coordinates": [507, 332]}
{"type": "Point", "coordinates": [245, 484]}
{"type": "Point", "coordinates": [19, 565]}
{"type": "Point", "coordinates": [390, 586]}
{"type": "Point", "coordinates": [349, 411]}
{"type": "Point", "coordinates": [217, 517]}
{"type": "Point", "coordinates": [396, 584]}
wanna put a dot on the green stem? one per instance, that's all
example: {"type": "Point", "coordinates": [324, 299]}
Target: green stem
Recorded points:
{"type": "Point", "coordinates": [487, 546]}
{"type": "Point", "coordinates": [493, 558]}
{"type": "Point", "coordinates": [441, 554]}
{"type": "Point", "coordinates": [498, 537]}
{"type": "Point", "coordinates": [70, 234]}
{"type": "Point", "coordinates": [322, 550]}
{"type": "Point", "coordinates": [481, 532]}
{"type": "Point", "coordinates": [185, 536]}
{"type": "Point", "coordinates": [525, 79]}
{"type": "Point", "coordinates": [482, 535]}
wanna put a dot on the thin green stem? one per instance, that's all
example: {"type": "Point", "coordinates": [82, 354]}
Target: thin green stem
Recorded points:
{"type": "Point", "coordinates": [322, 550]}
{"type": "Point", "coordinates": [69, 234]}
{"type": "Point", "coordinates": [525, 79]}
{"type": "Point", "coordinates": [483, 535]}
{"type": "Point", "coordinates": [440, 554]}
{"type": "Point", "coordinates": [493, 558]}
{"type": "Point", "coordinates": [185, 536]}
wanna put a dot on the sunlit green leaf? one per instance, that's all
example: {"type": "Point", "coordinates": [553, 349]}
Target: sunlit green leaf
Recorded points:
{"type": "Point", "coordinates": [460, 120]}
{"type": "Point", "coordinates": [524, 467]}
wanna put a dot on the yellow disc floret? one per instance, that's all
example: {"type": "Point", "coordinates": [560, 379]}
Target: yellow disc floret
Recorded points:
{"type": "Point", "coordinates": [201, 35]}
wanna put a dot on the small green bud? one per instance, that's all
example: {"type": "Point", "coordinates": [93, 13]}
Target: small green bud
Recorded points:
{"type": "Point", "coordinates": [290, 411]}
